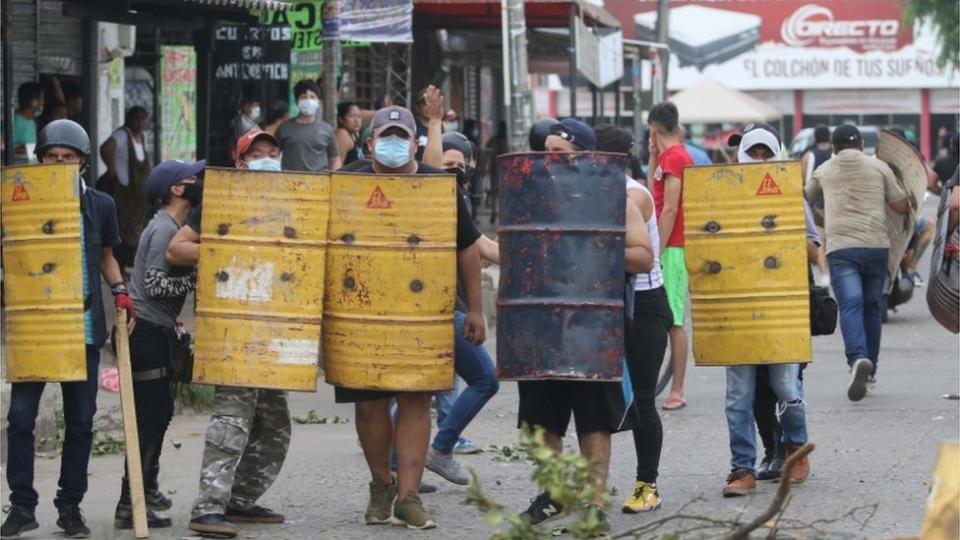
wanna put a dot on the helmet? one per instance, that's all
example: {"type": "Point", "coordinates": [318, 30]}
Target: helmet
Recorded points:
{"type": "Point", "coordinates": [457, 141]}
{"type": "Point", "coordinates": [65, 133]}
{"type": "Point", "coordinates": [539, 131]}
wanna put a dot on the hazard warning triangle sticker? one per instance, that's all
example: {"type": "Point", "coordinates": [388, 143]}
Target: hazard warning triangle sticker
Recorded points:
{"type": "Point", "coordinates": [20, 193]}
{"type": "Point", "coordinates": [378, 199]}
{"type": "Point", "coordinates": [768, 186]}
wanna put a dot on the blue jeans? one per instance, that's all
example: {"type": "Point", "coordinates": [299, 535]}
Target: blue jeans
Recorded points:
{"type": "Point", "coordinates": [474, 365]}
{"type": "Point", "coordinates": [741, 388]}
{"type": "Point", "coordinates": [858, 276]}
{"type": "Point", "coordinates": [79, 406]}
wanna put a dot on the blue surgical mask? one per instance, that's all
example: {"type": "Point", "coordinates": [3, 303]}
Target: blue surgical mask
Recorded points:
{"type": "Point", "coordinates": [264, 164]}
{"type": "Point", "coordinates": [392, 151]}
{"type": "Point", "coordinates": [453, 125]}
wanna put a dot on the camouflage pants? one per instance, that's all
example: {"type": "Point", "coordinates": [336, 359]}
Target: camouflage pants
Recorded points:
{"type": "Point", "coordinates": [247, 441]}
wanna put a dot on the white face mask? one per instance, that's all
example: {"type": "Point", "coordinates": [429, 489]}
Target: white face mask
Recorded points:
{"type": "Point", "coordinates": [308, 107]}
{"type": "Point", "coordinates": [255, 113]}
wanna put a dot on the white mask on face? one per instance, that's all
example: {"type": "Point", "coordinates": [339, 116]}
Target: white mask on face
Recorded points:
{"type": "Point", "coordinates": [255, 113]}
{"type": "Point", "coordinates": [308, 107]}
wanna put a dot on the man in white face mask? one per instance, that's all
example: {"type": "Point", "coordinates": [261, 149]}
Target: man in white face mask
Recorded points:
{"type": "Point", "coordinates": [308, 143]}
{"type": "Point", "coordinates": [755, 393]}
{"type": "Point", "coordinates": [248, 117]}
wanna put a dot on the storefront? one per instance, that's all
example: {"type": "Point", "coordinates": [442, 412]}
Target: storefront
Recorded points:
{"type": "Point", "coordinates": [829, 62]}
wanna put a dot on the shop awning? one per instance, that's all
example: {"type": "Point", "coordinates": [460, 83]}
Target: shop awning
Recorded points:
{"type": "Point", "coordinates": [451, 14]}
{"type": "Point", "coordinates": [709, 102]}
{"type": "Point", "coordinates": [273, 5]}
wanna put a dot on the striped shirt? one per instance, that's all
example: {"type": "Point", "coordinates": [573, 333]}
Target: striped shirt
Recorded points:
{"type": "Point", "coordinates": [653, 279]}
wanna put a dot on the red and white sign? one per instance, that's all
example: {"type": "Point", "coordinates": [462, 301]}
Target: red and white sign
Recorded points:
{"type": "Point", "coordinates": [791, 44]}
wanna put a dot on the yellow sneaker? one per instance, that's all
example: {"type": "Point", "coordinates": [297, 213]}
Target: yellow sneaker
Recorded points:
{"type": "Point", "coordinates": [645, 498]}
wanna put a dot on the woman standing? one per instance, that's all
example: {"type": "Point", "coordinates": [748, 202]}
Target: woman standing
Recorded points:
{"type": "Point", "coordinates": [349, 123]}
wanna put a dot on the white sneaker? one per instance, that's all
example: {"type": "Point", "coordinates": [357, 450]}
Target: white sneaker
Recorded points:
{"type": "Point", "coordinates": [859, 376]}
{"type": "Point", "coordinates": [447, 467]}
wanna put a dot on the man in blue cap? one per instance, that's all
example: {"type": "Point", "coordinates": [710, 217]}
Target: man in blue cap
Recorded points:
{"type": "Point", "coordinates": [159, 290]}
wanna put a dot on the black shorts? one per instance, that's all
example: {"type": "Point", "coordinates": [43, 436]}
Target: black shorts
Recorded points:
{"type": "Point", "coordinates": [354, 395]}
{"type": "Point", "coordinates": [596, 406]}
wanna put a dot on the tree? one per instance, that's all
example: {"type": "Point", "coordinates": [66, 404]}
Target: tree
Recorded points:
{"type": "Point", "coordinates": [945, 18]}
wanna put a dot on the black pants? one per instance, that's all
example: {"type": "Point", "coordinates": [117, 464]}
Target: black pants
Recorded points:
{"type": "Point", "coordinates": [646, 344]}
{"type": "Point", "coordinates": [765, 413]}
{"type": "Point", "coordinates": [79, 406]}
{"type": "Point", "coordinates": [150, 352]}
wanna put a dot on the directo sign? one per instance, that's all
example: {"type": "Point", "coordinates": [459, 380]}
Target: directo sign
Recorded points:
{"type": "Point", "coordinates": [814, 25]}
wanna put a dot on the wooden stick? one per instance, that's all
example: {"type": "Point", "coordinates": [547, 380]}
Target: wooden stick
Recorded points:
{"type": "Point", "coordinates": [129, 409]}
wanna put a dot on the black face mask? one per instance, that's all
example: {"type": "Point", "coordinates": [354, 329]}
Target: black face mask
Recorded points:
{"type": "Point", "coordinates": [461, 174]}
{"type": "Point", "coordinates": [193, 193]}
{"type": "Point", "coordinates": [471, 175]}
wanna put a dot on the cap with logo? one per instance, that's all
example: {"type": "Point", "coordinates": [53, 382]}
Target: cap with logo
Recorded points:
{"type": "Point", "coordinates": [394, 116]}
{"type": "Point", "coordinates": [757, 133]}
{"type": "Point", "coordinates": [846, 134]}
{"type": "Point", "coordinates": [169, 173]}
{"type": "Point", "coordinates": [576, 132]}
{"type": "Point", "coordinates": [247, 139]}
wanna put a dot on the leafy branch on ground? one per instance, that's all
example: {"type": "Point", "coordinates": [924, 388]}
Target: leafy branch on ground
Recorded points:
{"type": "Point", "coordinates": [566, 476]}
{"type": "Point", "coordinates": [313, 418]}
{"type": "Point", "coordinates": [508, 453]}
{"type": "Point", "coordinates": [104, 442]}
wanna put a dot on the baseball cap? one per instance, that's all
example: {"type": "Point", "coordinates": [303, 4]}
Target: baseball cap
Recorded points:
{"type": "Point", "coordinates": [454, 140]}
{"type": "Point", "coordinates": [757, 133]}
{"type": "Point", "coordinates": [846, 134]}
{"type": "Point", "coordinates": [169, 173]}
{"type": "Point", "coordinates": [576, 132]}
{"type": "Point", "coordinates": [394, 116]}
{"type": "Point", "coordinates": [246, 140]}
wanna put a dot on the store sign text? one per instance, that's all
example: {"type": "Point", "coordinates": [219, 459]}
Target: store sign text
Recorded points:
{"type": "Point", "coordinates": [841, 67]}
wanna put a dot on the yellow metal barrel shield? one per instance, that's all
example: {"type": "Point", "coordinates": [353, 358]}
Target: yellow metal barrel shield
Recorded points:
{"type": "Point", "coordinates": [260, 279]}
{"type": "Point", "coordinates": [391, 282]}
{"type": "Point", "coordinates": [746, 255]}
{"type": "Point", "coordinates": [43, 278]}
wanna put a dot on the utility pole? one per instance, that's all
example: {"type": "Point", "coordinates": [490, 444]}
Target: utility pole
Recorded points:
{"type": "Point", "coordinates": [663, 36]}
{"type": "Point", "coordinates": [331, 59]}
{"type": "Point", "coordinates": [518, 99]}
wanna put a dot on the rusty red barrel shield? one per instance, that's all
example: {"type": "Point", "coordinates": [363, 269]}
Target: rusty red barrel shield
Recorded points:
{"type": "Point", "coordinates": [560, 304]}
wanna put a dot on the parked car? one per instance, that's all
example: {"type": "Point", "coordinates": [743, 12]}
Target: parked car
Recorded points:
{"type": "Point", "coordinates": [804, 139]}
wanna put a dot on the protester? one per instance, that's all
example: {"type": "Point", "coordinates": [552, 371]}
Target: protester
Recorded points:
{"type": "Point", "coordinates": [128, 166]}
{"type": "Point", "coordinates": [472, 363]}
{"type": "Point", "coordinates": [668, 157]}
{"type": "Point", "coordinates": [249, 431]}
{"type": "Point", "coordinates": [598, 408]}
{"type": "Point", "coordinates": [349, 123]}
{"type": "Point", "coordinates": [646, 338]}
{"type": "Point", "coordinates": [30, 102]}
{"type": "Point", "coordinates": [64, 141]}
{"type": "Point", "coordinates": [856, 191]}
{"type": "Point", "coordinates": [308, 143]}
{"type": "Point", "coordinates": [248, 117]}
{"type": "Point", "coordinates": [395, 499]}
{"type": "Point", "coordinates": [812, 159]}
{"type": "Point", "coordinates": [158, 290]}
{"type": "Point", "coordinates": [745, 386]}
{"type": "Point", "coordinates": [948, 162]}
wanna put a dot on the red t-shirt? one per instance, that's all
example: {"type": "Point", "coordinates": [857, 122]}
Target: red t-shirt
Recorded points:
{"type": "Point", "coordinates": [672, 161]}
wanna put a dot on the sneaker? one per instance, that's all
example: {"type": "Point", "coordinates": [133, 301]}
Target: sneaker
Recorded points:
{"type": "Point", "coordinates": [773, 470]}
{"type": "Point", "coordinates": [859, 375]}
{"type": "Point", "coordinates": [543, 509]}
{"type": "Point", "coordinates": [19, 520]}
{"type": "Point", "coordinates": [763, 471]}
{"type": "Point", "coordinates": [156, 500]}
{"type": "Point", "coordinates": [466, 446]}
{"type": "Point", "coordinates": [427, 488]}
{"type": "Point", "coordinates": [254, 514]}
{"type": "Point", "coordinates": [214, 525]}
{"type": "Point", "coordinates": [380, 507]}
{"type": "Point", "coordinates": [872, 384]}
{"type": "Point", "coordinates": [645, 498]}
{"type": "Point", "coordinates": [801, 470]}
{"type": "Point", "coordinates": [410, 512]}
{"type": "Point", "coordinates": [72, 523]}
{"type": "Point", "coordinates": [123, 518]}
{"type": "Point", "coordinates": [740, 482]}
{"type": "Point", "coordinates": [916, 278]}
{"type": "Point", "coordinates": [447, 467]}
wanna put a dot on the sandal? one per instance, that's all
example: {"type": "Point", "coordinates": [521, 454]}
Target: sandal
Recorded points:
{"type": "Point", "coordinates": [674, 403]}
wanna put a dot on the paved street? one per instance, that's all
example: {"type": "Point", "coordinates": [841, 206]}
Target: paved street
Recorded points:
{"type": "Point", "coordinates": [878, 451]}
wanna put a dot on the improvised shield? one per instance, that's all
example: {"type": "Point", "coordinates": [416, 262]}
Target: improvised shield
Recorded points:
{"type": "Point", "coordinates": [42, 274]}
{"type": "Point", "coordinates": [260, 279]}
{"type": "Point", "coordinates": [745, 250]}
{"type": "Point", "coordinates": [911, 172]}
{"type": "Point", "coordinates": [391, 282]}
{"type": "Point", "coordinates": [943, 284]}
{"type": "Point", "coordinates": [562, 275]}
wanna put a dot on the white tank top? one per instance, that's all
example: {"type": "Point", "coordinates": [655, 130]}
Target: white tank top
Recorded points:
{"type": "Point", "coordinates": [653, 279]}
